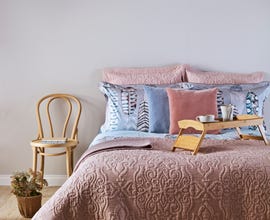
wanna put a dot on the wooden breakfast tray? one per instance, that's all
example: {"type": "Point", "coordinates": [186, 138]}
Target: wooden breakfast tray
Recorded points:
{"type": "Point", "coordinates": [191, 142]}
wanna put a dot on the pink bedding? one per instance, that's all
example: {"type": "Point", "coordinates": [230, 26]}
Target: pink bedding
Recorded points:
{"type": "Point", "coordinates": [225, 180]}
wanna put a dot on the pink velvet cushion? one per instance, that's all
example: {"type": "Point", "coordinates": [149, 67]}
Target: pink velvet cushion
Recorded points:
{"type": "Point", "coordinates": [222, 77]}
{"type": "Point", "coordinates": [187, 104]}
{"type": "Point", "coordinates": [147, 75]}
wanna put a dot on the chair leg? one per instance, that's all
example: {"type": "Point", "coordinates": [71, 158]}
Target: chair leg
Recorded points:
{"type": "Point", "coordinates": [71, 160]}
{"type": "Point", "coordinates": [42, 159]}
{"type": "Point", "coordinates": [68, 161]}
{"type": "Point", "coordinates": [34, 167]}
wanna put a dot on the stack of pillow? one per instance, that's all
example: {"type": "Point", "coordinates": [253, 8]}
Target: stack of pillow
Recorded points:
{"type": "Point", "coordinates": [154, 99]}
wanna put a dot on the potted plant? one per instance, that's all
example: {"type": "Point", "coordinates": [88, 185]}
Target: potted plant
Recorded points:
{"type": "Point", "coordinates": [27, 186]}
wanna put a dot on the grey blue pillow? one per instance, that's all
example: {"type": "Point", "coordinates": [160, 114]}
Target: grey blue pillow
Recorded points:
{"type": "Point", "coordinates": [159, 113]}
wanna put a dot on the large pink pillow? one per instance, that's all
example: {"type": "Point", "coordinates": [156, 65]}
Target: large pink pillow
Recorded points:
{"type": "Point", "coordinates": [147, 75]}
{"type": "Point", "coordinates": [187, 104]}
{"type": "Point", "coordinates": [195, 76]}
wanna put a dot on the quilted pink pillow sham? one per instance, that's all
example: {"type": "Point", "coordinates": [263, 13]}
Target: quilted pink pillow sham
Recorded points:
{"type": "Point", "coordinates": [146, 75]}
{"type": "Point", "coordinates": [187, 104]}
{"type": "Point", "coordinates": [222, 77]}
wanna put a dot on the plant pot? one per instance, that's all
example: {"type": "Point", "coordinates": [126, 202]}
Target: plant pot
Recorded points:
{"type": "Point", "coordinates": [28, 206]}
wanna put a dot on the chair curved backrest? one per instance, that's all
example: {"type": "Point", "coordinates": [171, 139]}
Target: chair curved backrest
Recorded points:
{"type": "Point", "coordinates": [73, 104]}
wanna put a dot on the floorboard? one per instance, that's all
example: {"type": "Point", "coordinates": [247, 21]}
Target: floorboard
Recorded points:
{"type": "Point", "coordinates": [8, 202]}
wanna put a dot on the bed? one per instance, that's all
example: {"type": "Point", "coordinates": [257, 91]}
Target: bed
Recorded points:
{"type": "Point", "coordinates": [130, 172]}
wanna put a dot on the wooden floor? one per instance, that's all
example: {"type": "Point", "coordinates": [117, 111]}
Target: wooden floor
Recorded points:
{"type": "Point", "coordinates": [8, 202]}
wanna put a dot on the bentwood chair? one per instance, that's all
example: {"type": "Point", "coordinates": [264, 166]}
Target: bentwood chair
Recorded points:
{"type": "Point", "coordinates": [60, 134]}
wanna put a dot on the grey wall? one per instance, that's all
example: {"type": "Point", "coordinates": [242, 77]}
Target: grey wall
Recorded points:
{"type": "Point", "coordinates": [52, 46]}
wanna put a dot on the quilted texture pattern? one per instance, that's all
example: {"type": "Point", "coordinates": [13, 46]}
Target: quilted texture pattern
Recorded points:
{"type": "Point", "coordinates": [147, 75]}
{"type": "Point", "coordinates": [225, 180]}
{"type": "Point", "coordinates": [222, 77]}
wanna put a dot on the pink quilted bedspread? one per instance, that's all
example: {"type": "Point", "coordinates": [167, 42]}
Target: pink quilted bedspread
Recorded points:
{"type": "Point", "coordinates": [225, 180]}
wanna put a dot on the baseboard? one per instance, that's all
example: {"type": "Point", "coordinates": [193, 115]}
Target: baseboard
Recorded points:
{"type": "Point", "coordinates": [53, 180]}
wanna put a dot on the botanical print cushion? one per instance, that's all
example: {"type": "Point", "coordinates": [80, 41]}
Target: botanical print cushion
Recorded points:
{"type": "Point", "coordinates": [187, 104]}
{"type": "Point", "coordinates": [145, 75]}
{"type": "Point", "coordinates": [222, 77]}
{"type": "Point", "coordinates": [246, 98]}
{"type": "Point", "coordinates": [127, 107]}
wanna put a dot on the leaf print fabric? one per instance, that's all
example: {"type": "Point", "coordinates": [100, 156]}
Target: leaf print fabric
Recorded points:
{"type": "Point", "coordinates": [143, 117]}
{"type": "Point", "coordinates": [246, 98]}
{"type": "Point", "coordinates": [129, 100]}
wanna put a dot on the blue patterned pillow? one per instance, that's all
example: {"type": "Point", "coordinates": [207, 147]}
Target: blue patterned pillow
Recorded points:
{"type": "Point", "coordinates": [247, 98]}
{"type": "Point", "coordinates": [127, 107]}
